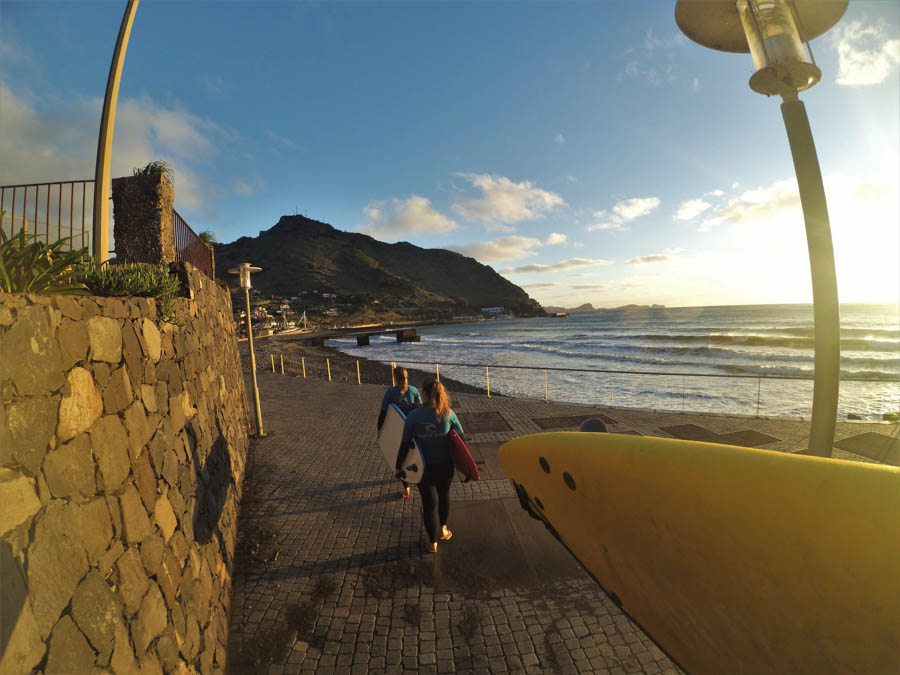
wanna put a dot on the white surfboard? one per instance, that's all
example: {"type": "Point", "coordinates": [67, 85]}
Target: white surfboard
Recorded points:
{"type": "Point", "coordinates": [391, 435]}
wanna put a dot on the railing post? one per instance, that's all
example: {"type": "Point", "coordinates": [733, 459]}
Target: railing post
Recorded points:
{"type": "Point", "coordinates": [272, 356]}
{"type": "Point", "coordinates": [546, 387]}
{"type": "Point", "coordinates": [758, 393]}
{"type": "Point", "coordinates": [328, 366]}
{"type": "Point", "coordinates": [281, 356]}
{"type": "Point", "coordinates": [437, 372]}
{"type": "Point", "coordinates": [682, 393]}
{"type": "Point", "coordinates": [612, 392]}
{"type": "Point", "coordinates": [303, 365]}
{"type": "Point", "coordinates": [393, 377]}
{"type": "Point", "coordinates": [487, 375]}
{"type": "Point", "coordinates": [358, 378]}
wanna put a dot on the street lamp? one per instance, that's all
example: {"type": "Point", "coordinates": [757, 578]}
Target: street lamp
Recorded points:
{"type": "Point", "coordinates": [244, 271]}
{"type": "Point", "coordinates": [773, 32]}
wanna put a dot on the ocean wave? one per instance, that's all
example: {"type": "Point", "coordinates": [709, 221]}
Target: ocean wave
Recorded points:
{"type": "Point", "coordinates": [796, 342]}
{"type": "Point", "coordinates": [788, 371]}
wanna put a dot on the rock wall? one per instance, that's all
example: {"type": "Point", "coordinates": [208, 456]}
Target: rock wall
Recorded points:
{"type": "Point", "coordinates": [123, 440]}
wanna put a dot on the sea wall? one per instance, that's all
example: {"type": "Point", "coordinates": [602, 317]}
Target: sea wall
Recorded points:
{"type": "Point", "coordinates": [123, 440]}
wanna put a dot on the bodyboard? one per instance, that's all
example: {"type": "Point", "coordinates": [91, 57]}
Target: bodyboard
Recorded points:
{"type": "Point", "coordinates": [389, 441]}
{"type": "Point", "coordinates": [462, 458]}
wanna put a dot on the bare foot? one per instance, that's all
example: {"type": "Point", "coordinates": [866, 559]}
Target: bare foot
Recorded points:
{"type": "Point", "coordinates": [434, 547]}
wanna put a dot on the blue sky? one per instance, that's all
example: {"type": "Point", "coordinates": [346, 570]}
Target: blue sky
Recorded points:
{"type": "Point", "coordinates": [587, 151]}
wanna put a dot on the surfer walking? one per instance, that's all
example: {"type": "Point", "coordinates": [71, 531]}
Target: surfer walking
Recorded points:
{"type": "Point", "coordinates": [404, 396]}
{"type": "Point", "coordinates": [430, 425]}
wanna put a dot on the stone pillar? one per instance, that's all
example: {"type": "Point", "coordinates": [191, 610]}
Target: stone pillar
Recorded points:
{"type": "Point", "coordinates": [142, 208]}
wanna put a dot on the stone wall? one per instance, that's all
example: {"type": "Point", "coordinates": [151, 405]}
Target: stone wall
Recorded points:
{"type": "Point", "coordinates": [123, 440]}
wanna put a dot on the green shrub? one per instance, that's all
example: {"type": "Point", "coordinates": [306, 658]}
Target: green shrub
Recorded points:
{"type": "Point", "coordinates": [156, 168]}
{"type": "Point", "coordinates": [31, 266]}
{"type": "Point", "coordinates": [133, 280]}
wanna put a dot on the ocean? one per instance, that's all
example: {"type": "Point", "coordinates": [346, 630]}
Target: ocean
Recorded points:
{"type": "Point", "coordinates": [666, 359]}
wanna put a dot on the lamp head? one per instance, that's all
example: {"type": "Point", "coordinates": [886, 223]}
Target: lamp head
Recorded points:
{"type": "Point", "coordinates": [773, 31]}
{"type": "Point", "coordinates": [244, 271]}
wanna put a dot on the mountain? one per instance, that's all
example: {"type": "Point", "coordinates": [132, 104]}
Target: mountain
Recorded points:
{"type": "Point", "coordinates": [586, 307]}
{"type": "Point", "coordinates": [300, 254]}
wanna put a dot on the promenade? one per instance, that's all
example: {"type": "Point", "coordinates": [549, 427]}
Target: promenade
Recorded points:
{"type": "Point", "coordinates": [332, 572]}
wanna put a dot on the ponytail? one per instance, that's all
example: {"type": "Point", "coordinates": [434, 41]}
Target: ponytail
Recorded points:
{"type": "Point", "coordinates": [440, 400]}
{"type": "Point", "coordinates": [402, 378]}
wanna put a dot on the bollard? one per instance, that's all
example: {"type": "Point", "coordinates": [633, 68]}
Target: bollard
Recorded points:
{"type": "Point", "coordinates": [393, 378]}
{"type": "Point", "coordinates": [546, 388]}
{"type": "Point", "coordinates": [328, 366]}
{"type": "Point", "coordinates": [358, 379]}
{"type": "Point", "coordinates": [272, 356]}
{"type": "Point", "coordinates": [303, 365]}
{"type": "Point", "coordinates": [487, 376]}
{"type": "Point", "coordinates": [612, 392]}
{"type": "Point", "coordinates": [281, 356]}
{"type": "Point", "coordinates": [437, 372]}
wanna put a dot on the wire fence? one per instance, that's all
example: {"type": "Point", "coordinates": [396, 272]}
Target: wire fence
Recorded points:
{"type": "Point", "coordinates": [664, 391]}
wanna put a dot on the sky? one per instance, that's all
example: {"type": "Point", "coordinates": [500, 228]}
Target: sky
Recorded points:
{"type": "Point", "coordinates": [587, 151]}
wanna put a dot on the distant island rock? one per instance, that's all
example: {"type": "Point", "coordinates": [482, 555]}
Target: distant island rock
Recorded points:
{"type": "Point", "coordinates": [588, 307]}
{"type": "Point", "coordinates": [300, 255]}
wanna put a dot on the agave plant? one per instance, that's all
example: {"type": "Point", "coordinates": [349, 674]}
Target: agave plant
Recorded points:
{"type": "Point", "coordinates": [31, 266]}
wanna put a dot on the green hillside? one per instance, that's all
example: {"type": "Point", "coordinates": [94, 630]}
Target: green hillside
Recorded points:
{"type": "Point", "coordinates": [299, 254]}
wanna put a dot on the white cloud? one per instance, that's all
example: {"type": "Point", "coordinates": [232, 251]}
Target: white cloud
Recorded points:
{"type": "Point", "coordinates": [556, 238]}
{"type": "Point", "coordinates": [504, 201]}
{"type": "Point", "coordinates": [759, 205]}
{"type": "Point", "coordinates": [280, 140]}
{"type": "Point", "coordinates": [549, 284]}
{"type": "Point", "coordinates": [624, 212]}
{"type": "Point", "coordinates": [691, 208]}
{"type": "Point", "coordinates": [577, 244]}
{"type": "Point", "coordinates": [243, 187]}
{"type": "Point", "coordinates": [695, 85]}
{"type": "Point", "coordinates": [401, 217]}
{"type": "Point", "coordinates": [714, 193]}
{"type": "Point", "coordinates": [652, 258]}
{"type": "Point", "coordinates": [866, 54]}
{"type": "Point", "coordinates": [590, 287]}
{"type": "Point", "coordinates": [652, 42]}
{"type": "Point", "coordinates": [507, 248]}
{"type": "Point", "coordinates": [572, 179]}
{"type": "Point", "coordinates": [562, 265]}
{"type": "Point", "coordinates": [560, 139]}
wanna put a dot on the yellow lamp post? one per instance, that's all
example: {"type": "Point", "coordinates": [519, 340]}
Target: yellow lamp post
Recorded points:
{"type": "Point", "coordinates": [774, 32]}
{"type": "Point", "coordinates": [244, 271]}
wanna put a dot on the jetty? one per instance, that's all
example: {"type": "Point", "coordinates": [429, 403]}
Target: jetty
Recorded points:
{"type": "Point", "coordinates": [404, 333]}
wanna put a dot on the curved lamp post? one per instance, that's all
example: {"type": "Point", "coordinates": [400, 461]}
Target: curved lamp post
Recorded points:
{"type": "Point", "coordinates": [100, 243]}
{"type": "Point", "coordinates": [773, 31]}
{"type": "Point", "coordinates": [244, 271]}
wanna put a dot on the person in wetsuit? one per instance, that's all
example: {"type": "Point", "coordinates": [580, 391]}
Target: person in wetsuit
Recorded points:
{"type": "Point", "coordinates": [405, 396]}
{"type": "Point", "coordinates": [430, 425]}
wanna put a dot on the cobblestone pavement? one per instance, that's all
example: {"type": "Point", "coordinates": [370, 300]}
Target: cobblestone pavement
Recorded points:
{"type": "Point", "coordinates": [333, 574]}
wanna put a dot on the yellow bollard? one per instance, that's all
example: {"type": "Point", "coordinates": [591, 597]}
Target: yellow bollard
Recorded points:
{"type": "Point", "coordinates": [358, 380]}
{"type": "Point", "coordinates": [612, 392]}
{"type": "Point", "coordinates": [272, 356]}
{"type": "Point", "coordinates": [546, 388]}
{"type": "Point", "coordinates": [487, 375]}
{"type": "Point", "coordinates": [437, 372]}
{"type": "Point", "coordinates": [328, 366]}
{"type": "Point", "coordinates": [393, 378]}
{"type": "Point", "coordinates": [281, 356]}
{"type": "Point", "coordinates": [303, 365]}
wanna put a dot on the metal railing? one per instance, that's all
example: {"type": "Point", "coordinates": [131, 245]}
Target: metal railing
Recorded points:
{"type": "Point", "coordinates": [50, 211]}
{"type": "Point", "coordinates": [189, 247]}
{"type": "Point", "coordinates": [346, 368]}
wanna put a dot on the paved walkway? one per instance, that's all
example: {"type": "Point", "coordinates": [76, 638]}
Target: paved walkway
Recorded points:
{"type": "Point", "coordinates": [333, 574]}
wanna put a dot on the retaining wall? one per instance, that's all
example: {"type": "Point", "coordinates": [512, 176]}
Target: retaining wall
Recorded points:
{"type": "Point", "coordinates": [123, 440]}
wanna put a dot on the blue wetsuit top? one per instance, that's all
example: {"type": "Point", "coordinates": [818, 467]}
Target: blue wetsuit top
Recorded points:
{"type": "Point", "coordinates": [404, 401]}
{"type": "Point", "coordinates": [431, 432]}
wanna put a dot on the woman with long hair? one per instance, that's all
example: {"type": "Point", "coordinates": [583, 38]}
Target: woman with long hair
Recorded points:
{"type": "Point", "coordinates": [430, 425]}
{"type": "Point", "coordinates": [405, 396]}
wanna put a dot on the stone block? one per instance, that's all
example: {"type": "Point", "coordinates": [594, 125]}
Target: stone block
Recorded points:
{"type": "Point", "coordinates": [134, 516]}
{"type": "Point", "coordinates": [115, 515]}
{"type": "Point", "coordinates": [80, 406]}
{"type": "Point", "coordinates": [110, 444]}
{"type": "Point", "coordinates": [69, 470]}
{"type": "Point", "coordinates": [167, 649]}
{"type": "Point", "coordinates": [162, 398]}
{"type": "Point", "coordinates": [170, 468]}
{"type": "Point", "coordinates": [26, 434]}
{"type": "Point", "coordinates": [122, 661]}
{"type": "Point", "coordinates": [118, 394]}
{"type": "Point", "coordinates": [73, 342]}
{"type": "Point", "coordinates": [29, 354]}
{"type": "Point", "coordinates": [18, 495]}
{"type": "Point", "coordinates": [133, 581]}
{"type": "Point", "coordinates": [57, 537]}
{"type": "Point", "coordinates": [97, 529]}
{"type": "Point", "coordinates": [150, 665]}
{"type": "Point", "coordinates": [21, 647]}
{"type": "Point", "coordinates": [179, 547]}
{"type": "Point", "coordinates": [105, 336]}
{"type": "Point", "coordinates": [151, 620]}
{"type": "Point", "coordinates": [176, 412]}
{"type": "Point", "coordinates": [111, 557]}
{"type": "Point", "coordinates": [69, 307]}
{"type": "Point", "coordinates": [165, 517]}
{"type": "Point", "coordinates": [169, 577]}
{"type": "Point", "coordinates": [101, 372]}
{"type": "Point", "coordinates": [148, 397]}
{"type": "Point", "coordinates": [69, 651]}
{"type": "Point", "coordinates": [131, 350]}
{"type": "Point", "coordinates": [140, 430]}
{"type": "Point", "coordinates": [145, 480]}
{"type": "Point", "coordinates": [152, 339]}
{"type": "Point", "coordinates": [152, 551]}
{"type": "Point", "coordinates": [97, 611]}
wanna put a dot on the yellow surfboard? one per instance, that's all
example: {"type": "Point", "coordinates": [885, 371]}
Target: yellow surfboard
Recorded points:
{"type": "Point", "coordinates": [732, 559]}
